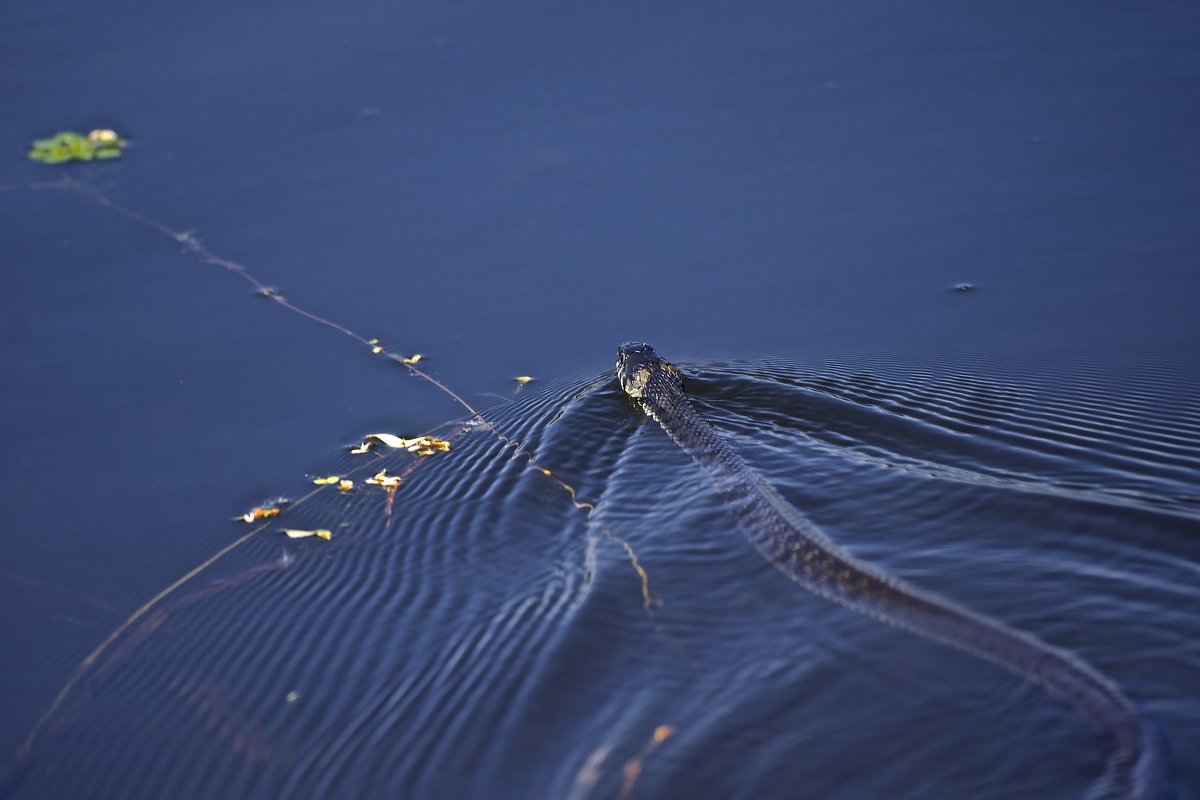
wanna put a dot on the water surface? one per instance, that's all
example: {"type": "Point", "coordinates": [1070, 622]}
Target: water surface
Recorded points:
{"type": "Point", "coordinates": [781, 198]}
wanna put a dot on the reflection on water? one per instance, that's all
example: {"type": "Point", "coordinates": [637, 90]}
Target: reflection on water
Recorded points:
{"type": "Point", "coordinates": [479, 634]}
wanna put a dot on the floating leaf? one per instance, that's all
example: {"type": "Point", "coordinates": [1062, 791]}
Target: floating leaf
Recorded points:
{"type": "Point", "coordinates": [422, 445]}
{"type": "Point", "coordinates": [72, 146]}
{"type": "Point", "coordinates": [377, 349]}
{"type": "Point", "coordinates": [327, 481]}
{"type": "Point", "coordinates": [346, 485]}
{"type": "Point", "coordinates": [362, 448]}
{"type": "Point", "coordinates": [261, 512]}
{"type": "Point", "coordinates": [522, 379]}
{"type": "Point", "coordinates": [293, 697]}
{"type": "Point", "coordinates": [321, 533]}
{"type": "Point", "coordinates": [433, 445]}
{"type": "Point", "coordinates": [414, 358]}
{"type": "Point", "coordinates": [381, 478]}
{"type": "Point", "coordinates": [389, 439]}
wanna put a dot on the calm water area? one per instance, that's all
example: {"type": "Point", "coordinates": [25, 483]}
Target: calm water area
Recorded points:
{"type": "Point", "coordinates": [932, 268]}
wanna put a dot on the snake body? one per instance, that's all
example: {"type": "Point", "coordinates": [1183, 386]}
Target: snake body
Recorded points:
{"type": "Point", "coordinates": [797, 548]}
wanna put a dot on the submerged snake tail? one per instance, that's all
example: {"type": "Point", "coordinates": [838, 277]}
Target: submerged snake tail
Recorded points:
{"type": "Point", "coordinates": [1135, 769]}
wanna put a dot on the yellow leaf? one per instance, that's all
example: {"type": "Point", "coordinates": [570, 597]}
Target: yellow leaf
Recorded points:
{"type": "Point", "coordinates": [381, 478]}
{"type": "Point", "coordinates": [362, 448]}
{"type": "Point", "coordinates": [522, 379]}
{"type": "Point", "coordinates": [414, 358]}
{"type": "Point", "coordinates": [427, 446]}
{"type": "Point", "coordinates": [326, 481]}
{"type": "Point", "coordinates": [346, 485]}
{"type": "Point", "coordinates": [321, 533]}
{"type": "Point", "coordinates": [259, 512]}
{"type": "Point", "coordinates": [417, 445]}
{"type": "Point", "coordinates": [376, 349]}
{"type": "Point", "coordinates": [391, 440]}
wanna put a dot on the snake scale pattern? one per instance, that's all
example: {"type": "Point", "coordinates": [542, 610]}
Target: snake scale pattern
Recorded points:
{"type": "Point", "coordinates": [796, 547]}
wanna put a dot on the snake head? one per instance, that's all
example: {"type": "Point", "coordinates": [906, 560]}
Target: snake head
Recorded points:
{"type": "Point", "coordinates": [637, 363]}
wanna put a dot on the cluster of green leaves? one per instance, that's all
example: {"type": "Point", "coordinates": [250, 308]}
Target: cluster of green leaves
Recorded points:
{"type": "Point", "coordinates": [72, 146]}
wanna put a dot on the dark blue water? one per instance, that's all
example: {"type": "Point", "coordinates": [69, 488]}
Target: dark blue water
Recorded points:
{"type": "Point", "coordinates": [781, 198]}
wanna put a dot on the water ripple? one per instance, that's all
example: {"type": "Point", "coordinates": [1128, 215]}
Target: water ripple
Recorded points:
{"type": "Point", "coordinates": [496, 631]}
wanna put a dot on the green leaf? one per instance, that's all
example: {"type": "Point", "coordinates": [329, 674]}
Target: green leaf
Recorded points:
{"type": "Point", "coordinates": [69, 146]}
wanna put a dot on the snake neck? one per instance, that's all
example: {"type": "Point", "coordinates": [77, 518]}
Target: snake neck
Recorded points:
{"type": "Point", "coordinates": [664, 400]}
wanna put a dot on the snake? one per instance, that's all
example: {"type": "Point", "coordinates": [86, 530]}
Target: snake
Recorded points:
{"type": "Point", "coordinates": [793, 544]}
